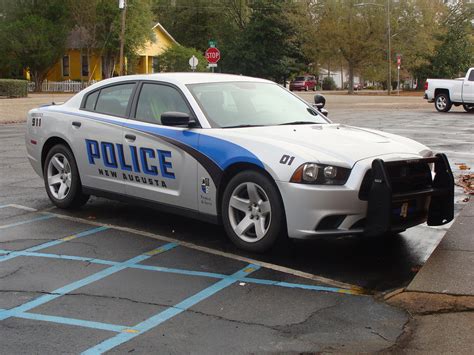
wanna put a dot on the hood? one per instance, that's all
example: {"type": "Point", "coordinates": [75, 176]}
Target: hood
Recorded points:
{"type": "Point", "coordinates": [331, 143]}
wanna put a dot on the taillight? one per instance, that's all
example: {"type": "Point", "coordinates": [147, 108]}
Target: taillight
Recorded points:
{"type": "Point", "coordinates": [426, 86]}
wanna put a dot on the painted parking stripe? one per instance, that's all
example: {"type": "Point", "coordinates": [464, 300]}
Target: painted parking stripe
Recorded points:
{"type": "Point", "coordinates": [335, 283]}
{"type": "Point", "coordinates": [353, 289]}
{"type": "Point", "coordinates": [169, 313]}
{"type": "Point", "coordinates": [191, 272]}
{"type": "Point", "coordinates": [14, 254]}
{"type": "Point", "coordinates": [36, 219]}
{"type": "Point", "coordinates": [71, 321]}
{"type": "Point", "coordinates": [81, 283]}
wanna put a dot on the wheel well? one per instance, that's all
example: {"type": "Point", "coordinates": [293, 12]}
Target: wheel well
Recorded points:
{"type": "Point", "coordinates": [441, 91]}
{"type": "Point", "coordinates": [50, 143]}
{"type": "Point", "coordinates": [233, 170]}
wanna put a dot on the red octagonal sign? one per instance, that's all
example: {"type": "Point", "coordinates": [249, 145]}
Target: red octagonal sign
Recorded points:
{"type": "Point", "coordinates": [213, 55]}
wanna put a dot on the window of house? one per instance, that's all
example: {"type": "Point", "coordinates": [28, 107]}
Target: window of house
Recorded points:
{"type": "Point", "coordinates": [66, 65]}
{"type": "Point", "coordinates": [85, 65]}
{"type": "Point", "coordinates": [154, 66]}
{"type": "Point", "coordinates": [155, 99]}
{"type": "Point", "coordinates": [113, 100]}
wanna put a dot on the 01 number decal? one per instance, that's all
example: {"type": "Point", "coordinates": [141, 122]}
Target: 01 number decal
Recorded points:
{"type": "Point", "coordinates": [286, 159]}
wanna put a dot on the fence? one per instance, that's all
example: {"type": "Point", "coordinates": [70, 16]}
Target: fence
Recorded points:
{"type": "Point", "coordinates": [61, 86]}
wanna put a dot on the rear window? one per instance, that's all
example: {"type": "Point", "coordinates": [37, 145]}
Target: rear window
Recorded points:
{"type": "Point", "coordinates": [91, 100]}
{"type": "Point", "coordinates": [113, 100]}
{"type": "Point", "coordinates": [300, 78]}
{"type": "Point", "coordinates": [471, 75]}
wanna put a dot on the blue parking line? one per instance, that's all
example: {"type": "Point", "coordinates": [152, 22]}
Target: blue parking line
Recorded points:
{"type": "Point", "coordinates": [71, 321]}
{"type": "Point", "coordinates": [83, 282]}
{"type": "Point", "coordinates": [190, 272]}
{"type": "Point", "coordinates": [169, 313]}
{"type": "Point", "coordinates": [14, 254]}
{"type": "Point", "coordinates": [36, 219]}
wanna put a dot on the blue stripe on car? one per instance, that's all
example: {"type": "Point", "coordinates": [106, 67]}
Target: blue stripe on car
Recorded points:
{"type": "Point", "coordinates": [217, 154]}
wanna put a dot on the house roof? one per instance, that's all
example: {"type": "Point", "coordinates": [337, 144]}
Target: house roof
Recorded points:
{"type": "Point", "coordinates": [79, 37]}
{"type": "Point", "coordinates": [160, 26]}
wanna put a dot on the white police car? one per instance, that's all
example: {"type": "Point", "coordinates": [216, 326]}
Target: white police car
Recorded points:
{"type": "Point", "coordinates": [237, 150]}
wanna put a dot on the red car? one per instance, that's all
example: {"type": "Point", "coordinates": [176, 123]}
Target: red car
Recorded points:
{"type": "Point", "coordinates": [306, 83]}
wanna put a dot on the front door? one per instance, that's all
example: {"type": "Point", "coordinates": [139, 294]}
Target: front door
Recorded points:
{"type": "Point", "coordinates": [160, 167]}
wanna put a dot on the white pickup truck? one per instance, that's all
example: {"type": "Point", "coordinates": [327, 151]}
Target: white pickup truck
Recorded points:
{"type": "Point", "coordinates": [446, 93]}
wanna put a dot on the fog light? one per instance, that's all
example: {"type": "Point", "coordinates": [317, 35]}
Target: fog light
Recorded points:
{"type": "Point", "coordinates": [330, 172]}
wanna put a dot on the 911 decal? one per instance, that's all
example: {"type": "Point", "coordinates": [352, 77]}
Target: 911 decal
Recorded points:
{"type": "Point", "coordinates": [36, 119]}
{"type": "Point", "coordinates": [112, 156]}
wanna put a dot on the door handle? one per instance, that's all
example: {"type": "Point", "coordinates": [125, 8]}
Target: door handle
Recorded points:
{"type": "Point", "coordinates": [130, 137]}
{"type": "Point", "coordinates": [76, 124]}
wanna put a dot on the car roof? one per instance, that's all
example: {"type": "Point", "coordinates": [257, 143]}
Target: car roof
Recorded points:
{"type": "Point", "coordinates": [185, 78]}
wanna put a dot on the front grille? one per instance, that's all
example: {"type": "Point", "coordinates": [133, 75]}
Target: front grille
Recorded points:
{"type": "Point", "coordinates": [405, 177]}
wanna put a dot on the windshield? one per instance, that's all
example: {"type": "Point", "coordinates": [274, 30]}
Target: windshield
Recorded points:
{"type": "Point", "coordinates": [299, 78]}
{"type": "Point", "coordinates": [234, 104]}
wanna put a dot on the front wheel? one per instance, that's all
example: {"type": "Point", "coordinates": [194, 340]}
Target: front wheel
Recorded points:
{"type": "Point", "coordinates": [252, 211]}
{"type": "Point", "coordinates": [443, 102]}
{"type": "Point", "coordinates": [468, 108]}
{"type": "Point", "coordinates": [61, 178]}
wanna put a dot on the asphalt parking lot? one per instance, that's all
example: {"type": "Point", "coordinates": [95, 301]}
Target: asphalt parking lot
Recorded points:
{"type": "Point", "coordinates": [114, 277]}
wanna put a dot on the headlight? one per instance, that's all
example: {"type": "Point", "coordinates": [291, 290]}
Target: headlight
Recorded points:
{"type": "Point", "coordinates": [320, 174]}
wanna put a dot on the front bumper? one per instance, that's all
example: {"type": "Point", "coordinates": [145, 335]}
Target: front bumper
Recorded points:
{"type": "Point", "coordinates": [313, 211]}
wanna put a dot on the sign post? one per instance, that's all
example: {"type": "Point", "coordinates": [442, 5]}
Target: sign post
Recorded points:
{"type": "Point", "coordinates": [399, 63]}
{"type": "Point", "coordinates": [193, 62]}
{"type": "Point", "coordinates": [212, 55]}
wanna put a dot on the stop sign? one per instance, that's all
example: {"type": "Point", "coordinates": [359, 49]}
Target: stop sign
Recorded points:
{"type": "Point", "coordinates": [213, 55]}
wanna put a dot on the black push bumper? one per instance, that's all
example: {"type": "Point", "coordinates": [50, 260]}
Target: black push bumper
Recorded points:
{"type": "Point", "coordinates": [390, 210]}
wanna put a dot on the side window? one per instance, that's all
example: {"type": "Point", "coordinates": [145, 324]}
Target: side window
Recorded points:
{"type": "Point", "coordinates": [471, 75]}
{"type": "Point", "coordinates": [91, 100]}
{"type": "Point", "coordinates": [113, 100]}
{"type": "Point", "coordinates": [156, 99]}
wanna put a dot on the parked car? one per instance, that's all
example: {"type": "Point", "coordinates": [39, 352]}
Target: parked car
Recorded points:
{"type": "Point", "coordinates": [446, 93]}
{"type": "Point", "coordinates": [239, 151]}
{"type": "Point", "coordinates": [306, 83]}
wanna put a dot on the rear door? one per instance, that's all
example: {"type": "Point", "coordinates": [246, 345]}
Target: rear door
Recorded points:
{"type": "Point", "coordinates": [161, 168]}
{"type": "Point", "coordinates": [96, 134]}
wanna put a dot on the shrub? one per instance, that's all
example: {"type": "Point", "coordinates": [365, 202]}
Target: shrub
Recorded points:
{"type": "Point", "coordinates": [329, 84]}
{"type": "Point", "coordinates": [13, 88]}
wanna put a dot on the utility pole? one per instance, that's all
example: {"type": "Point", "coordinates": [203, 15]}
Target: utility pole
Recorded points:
{"type": "Point", "coordinates": [123, 7]}
{"type": "Point", "coordinates": [389, 54]}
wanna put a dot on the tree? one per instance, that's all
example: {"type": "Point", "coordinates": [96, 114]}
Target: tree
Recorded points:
{"type": "Point", "coordinates": [454, 53]}
{"type": "Point", "coordinates": [35, 34]}
{"type": "Point", "coordinates": [176, 59]}
{"type": "Point", "coordinates": [268, 45]}
{"type": "Point", "coordinates": [353, 32]}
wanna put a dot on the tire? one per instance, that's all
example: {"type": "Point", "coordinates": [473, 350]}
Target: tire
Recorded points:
{"type": "Point", "coordinates": [254, 219]}
{"type": "Point", "coordinates": [314, 88]}
{"type": "Point", "coordinates": [469, 108]}
{"type": "Point", "coordinates": [61, 178]}
{"type": "Point", "coordinates": [443, 102]}
{"type": "Point", "coordinates": [306, 88]}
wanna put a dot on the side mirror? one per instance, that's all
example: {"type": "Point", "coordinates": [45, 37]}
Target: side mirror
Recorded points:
{"type": "Point", "coordinates": [176, 119]}
{"type": "Point", "coordinates": [319, 101]}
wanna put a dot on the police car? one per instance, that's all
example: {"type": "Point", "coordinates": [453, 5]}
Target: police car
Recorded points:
{"type": "Point", "coordinates": [240, 151]}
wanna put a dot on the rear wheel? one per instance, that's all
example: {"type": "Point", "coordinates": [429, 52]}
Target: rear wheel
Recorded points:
{"type": "Point", "coordinates": [252, 211]}
{"type": "Point", "coordinates": [61, 178]}
{"type": "Point", "coordinates": [443, 103]}
{"type": "Point", "coordinates": [468, 108]}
